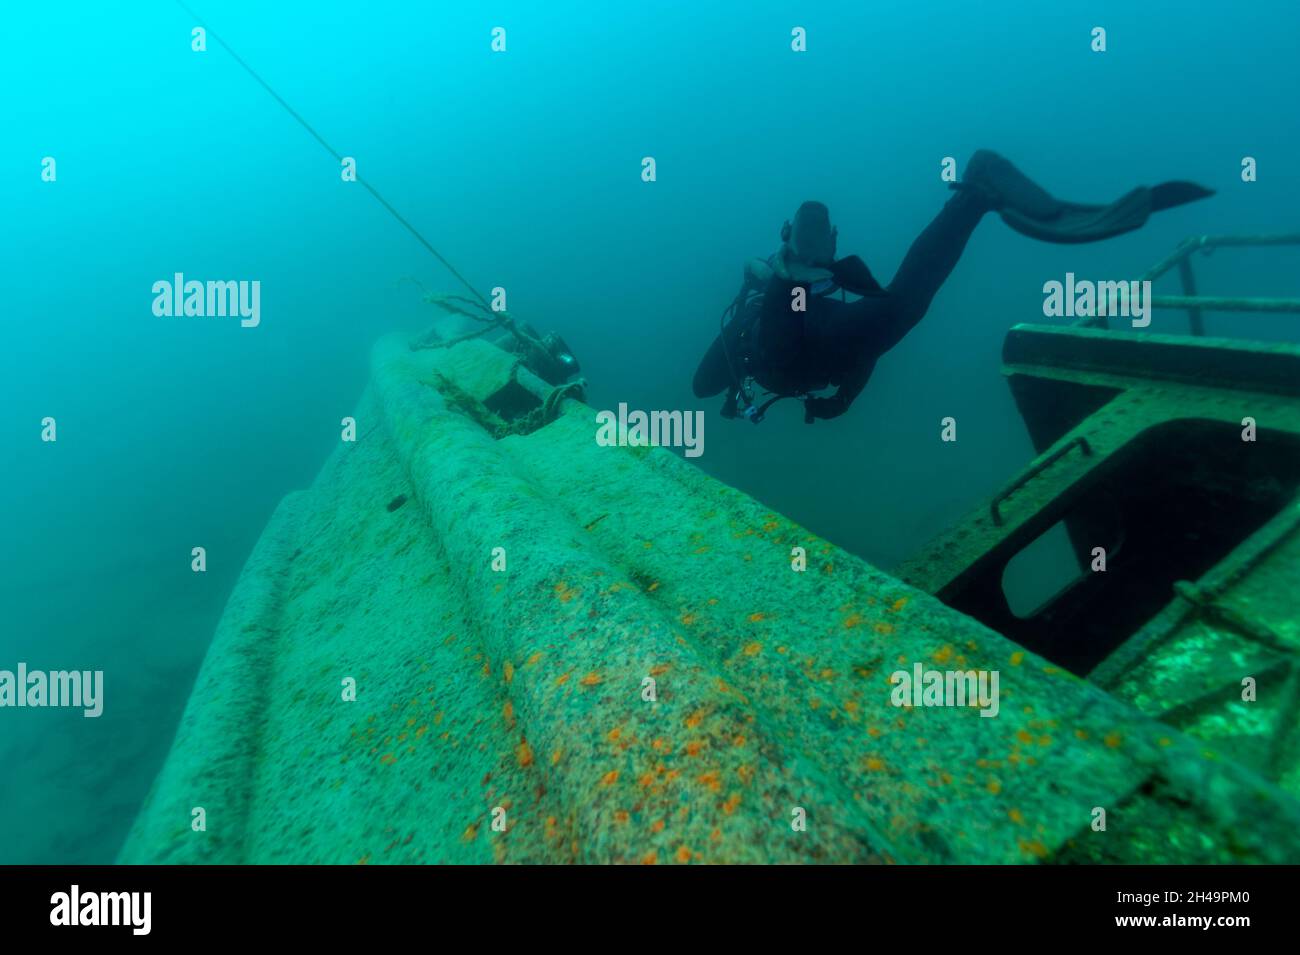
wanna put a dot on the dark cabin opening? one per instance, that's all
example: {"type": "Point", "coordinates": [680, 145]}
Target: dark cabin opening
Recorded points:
{"type": "Point", "coordinates": [1168, 506]}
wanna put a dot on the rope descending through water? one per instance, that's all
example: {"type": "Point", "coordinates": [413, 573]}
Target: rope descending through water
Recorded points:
{"type": "Point", "coordinates": [336, 154]}
{"type": "Point", "coordinates": [530, 345]}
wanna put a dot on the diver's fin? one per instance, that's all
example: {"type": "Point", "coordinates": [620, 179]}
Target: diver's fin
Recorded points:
{"type": "Point", "coordinates": [1170, 194]}
{"type": "Point", "coordinates": [1004, 187]}
{"type": "Point", "coordinates": [1031, 210]}
{"type": "Point", "coordinates": [1077, 222]}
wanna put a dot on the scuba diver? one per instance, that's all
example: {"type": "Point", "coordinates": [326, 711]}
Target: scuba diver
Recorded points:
{"type": "Point", "coordinates": [793, 332]}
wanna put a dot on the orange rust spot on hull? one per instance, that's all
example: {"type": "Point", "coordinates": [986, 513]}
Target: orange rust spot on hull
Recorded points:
{"type": "Point", "coordinates": [1034, 848]}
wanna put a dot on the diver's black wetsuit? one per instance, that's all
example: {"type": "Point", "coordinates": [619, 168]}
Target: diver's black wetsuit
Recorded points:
{"type": "Point", "coordinates": [834, 342]}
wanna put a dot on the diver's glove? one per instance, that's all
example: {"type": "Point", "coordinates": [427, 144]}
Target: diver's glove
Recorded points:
{"type": "Point", "coordinates": [831, 407]}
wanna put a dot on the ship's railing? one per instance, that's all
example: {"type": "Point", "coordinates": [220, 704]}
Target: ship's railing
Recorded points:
{"type": "Point", "coordinates": [1196, 304]}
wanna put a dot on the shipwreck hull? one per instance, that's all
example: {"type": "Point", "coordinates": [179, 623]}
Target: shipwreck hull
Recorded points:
{"type": "Point", "coordinates": [520, 695]}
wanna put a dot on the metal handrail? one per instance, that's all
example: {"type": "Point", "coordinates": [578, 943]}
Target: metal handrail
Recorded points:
{"type": "Point", "coordinates": [1196, 304]}
{"type": "Point", "coordinates": [1030, 473]}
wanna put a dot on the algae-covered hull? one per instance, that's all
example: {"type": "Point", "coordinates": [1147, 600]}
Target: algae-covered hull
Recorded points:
{"type": "Point", "coordinates": [569, 652]}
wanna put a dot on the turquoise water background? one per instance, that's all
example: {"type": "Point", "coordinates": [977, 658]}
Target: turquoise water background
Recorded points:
{"type": "Point", "coordinates": [524, 169]}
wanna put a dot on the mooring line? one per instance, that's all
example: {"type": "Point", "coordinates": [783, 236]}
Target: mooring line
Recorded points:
{"type": "Point", "coordinates": [335, 153]}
